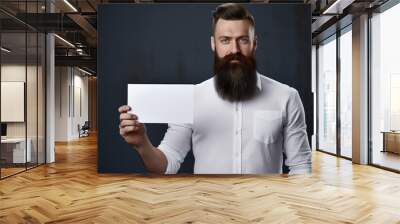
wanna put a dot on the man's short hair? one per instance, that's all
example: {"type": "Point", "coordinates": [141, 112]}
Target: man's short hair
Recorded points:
{"type": "Point", "coordinates": [231, 11]}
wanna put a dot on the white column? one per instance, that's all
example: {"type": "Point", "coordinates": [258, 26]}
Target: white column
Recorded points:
{"type": "Point", "coordinates": [360, 90]}
{"type": "Point", "coordinates": [50, 93]}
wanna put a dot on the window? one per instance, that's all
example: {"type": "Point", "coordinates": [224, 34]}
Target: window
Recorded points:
{"type": "Point", "coordinates": [385, 88]}
{"type": "Point", "coordinates": [327, 96]}
{"type": "Point", "coordinates": [346, 93]}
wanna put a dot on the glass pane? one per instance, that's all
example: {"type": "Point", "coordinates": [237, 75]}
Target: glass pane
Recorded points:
{"type": "Point", "coordinates": [327, 96]}
{"type": "Point", "coordinates": [385, 86]}
{"type": "Point", "coordinates": [41, 98]}
{"type": "Point", "coordinates": [31, 97]}
{"type": "Point", "coordinates": [13, 90]}
{"type": "Point", "coordinates": [32, 85]}
{"type": "Point", "coordinates": [346, 94]}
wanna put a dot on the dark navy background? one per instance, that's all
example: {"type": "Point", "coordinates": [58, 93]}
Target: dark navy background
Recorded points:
{"type": "Point", "coordinates": [170, 44]}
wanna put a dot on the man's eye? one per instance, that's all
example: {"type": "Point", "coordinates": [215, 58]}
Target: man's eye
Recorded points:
{"type": "Point", "coordinates": [224, 41]}
{"type": "Point", "coordinates": [244, 40]}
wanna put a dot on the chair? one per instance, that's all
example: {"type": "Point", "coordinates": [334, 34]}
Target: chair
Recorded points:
{"type": "Point", "coordinates": [84, 130]}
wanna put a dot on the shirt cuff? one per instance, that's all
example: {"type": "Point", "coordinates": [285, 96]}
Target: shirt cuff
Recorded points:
{"type": "Point", "coordinates": [172, 164]}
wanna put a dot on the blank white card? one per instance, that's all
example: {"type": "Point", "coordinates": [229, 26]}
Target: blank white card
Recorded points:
{"type": "Point", "coordinates": [162, 103]}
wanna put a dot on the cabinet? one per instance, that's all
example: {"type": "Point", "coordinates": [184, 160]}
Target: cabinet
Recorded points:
{"type": "Point", "coordinates": [391, 142]}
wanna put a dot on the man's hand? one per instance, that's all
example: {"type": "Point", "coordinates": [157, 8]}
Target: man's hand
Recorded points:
{"type": "Point", "coordinates": [133, 132]}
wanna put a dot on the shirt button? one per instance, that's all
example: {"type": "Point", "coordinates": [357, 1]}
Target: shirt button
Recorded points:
{"type": "Point", "coordinates": [237, 132]}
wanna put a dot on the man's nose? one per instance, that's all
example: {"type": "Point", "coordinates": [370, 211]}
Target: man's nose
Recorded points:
{"type": "Point", "coordinates": [235, 47]}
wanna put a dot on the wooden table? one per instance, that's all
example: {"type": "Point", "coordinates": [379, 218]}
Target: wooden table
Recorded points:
{"type": "Point", "coordinates": [391, 141]}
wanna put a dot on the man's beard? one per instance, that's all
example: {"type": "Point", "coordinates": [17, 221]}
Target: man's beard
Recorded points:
{"type": "Point", "coordinates": [235, 81]}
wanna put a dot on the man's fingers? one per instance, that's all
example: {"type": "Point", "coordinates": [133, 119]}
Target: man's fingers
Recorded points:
{"type": "Point", "coordinates": [126, 116]}
{"type": "Point", "coordinates": [125, 123]}
{"type": "Point", "coordinates": [124, 109]}
{"type": "Point", "coordinates": [128, 129]}
{"type": "Point", "coordinates": [122, 132]}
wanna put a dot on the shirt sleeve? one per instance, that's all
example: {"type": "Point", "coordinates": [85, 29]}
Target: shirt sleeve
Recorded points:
{"type": "Point", "coordinates": [296, 146]}
{"type": "Point", "coordinates": [175, 145]}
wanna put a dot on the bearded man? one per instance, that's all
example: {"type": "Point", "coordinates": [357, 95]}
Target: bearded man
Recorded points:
{"type": "Point", "coordinates": [243, 121]}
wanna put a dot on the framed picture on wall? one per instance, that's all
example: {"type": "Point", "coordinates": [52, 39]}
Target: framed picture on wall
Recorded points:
{"type": "Point", "coordinates": [12, 101]}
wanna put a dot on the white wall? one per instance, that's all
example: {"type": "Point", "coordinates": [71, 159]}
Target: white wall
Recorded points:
{"type": "Point", "coordinates": [14, 73]}
{"type": "Point", "coordinates": [61, 103]}
{"type": "Point", "coordinates": [71, 102]}
{"type": "Point", "coordinates": [10, 73]}
{"type": "Point", "coordinates": [33, 126]}
{"type": "Point", "coordinates": [80, 110]}
{"type": "Point", "coordinates": [17, 73]}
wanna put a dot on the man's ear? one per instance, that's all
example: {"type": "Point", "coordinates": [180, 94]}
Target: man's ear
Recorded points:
{"type": "Point", "coordinates": [212, 43]}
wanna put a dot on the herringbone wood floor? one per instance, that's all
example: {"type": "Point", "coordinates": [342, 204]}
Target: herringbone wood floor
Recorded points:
{"type": "Point", "coordinates": [71, 191]}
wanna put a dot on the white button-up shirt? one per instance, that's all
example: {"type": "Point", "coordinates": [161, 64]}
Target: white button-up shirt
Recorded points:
{"type": "Point", "coordinates": [246, 137]}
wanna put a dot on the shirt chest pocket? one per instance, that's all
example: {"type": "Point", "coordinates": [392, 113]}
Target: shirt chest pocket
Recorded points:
{"type": "Point", "coordinates": [267, 126]}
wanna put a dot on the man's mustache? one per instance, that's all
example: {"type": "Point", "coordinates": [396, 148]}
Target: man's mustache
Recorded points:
{"type": "Point", "coordinates": [236, 56]}
{"type": "Point", "coordinates": [224, 61]}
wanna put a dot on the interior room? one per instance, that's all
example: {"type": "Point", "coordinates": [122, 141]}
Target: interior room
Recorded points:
{"type": "Point", "coordinates": [66, 155]}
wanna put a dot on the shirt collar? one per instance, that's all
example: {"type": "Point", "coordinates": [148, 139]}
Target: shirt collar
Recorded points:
{"type": "Point", "coordinates": [259, 86]}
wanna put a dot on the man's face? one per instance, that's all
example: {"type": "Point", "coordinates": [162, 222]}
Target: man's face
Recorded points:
{"type": "Point", "coordinates": [234, 60]}
{"type": "Point", "coordinates": [233, 36]}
